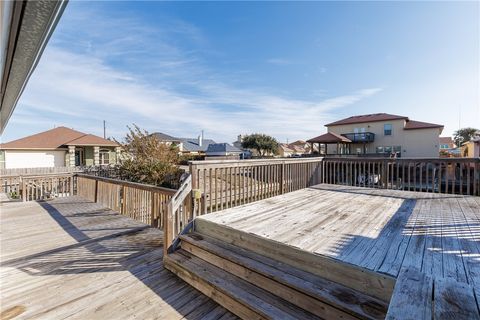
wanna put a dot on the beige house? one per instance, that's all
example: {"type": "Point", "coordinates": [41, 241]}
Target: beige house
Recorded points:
{"type": "Point", "coordinates": [58, 147]}
{"type": "Point", "coordinates": [471, 149]}
{"type": "Point", "coordinates": [381, 134]}
{"type": "Point", "coordinates": [284, 151]}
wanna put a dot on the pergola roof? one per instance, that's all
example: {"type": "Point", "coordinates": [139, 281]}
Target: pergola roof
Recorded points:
{"type": "Point", "coordinates": [330, 137]}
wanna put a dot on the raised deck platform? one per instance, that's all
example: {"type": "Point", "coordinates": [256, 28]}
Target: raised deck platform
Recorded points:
{"type": "Point", "coordinates": [74, 259]}
{"type": "Point", "coordinates": [380, 230]}
{"type": "Point", "coordinates": [339, 252]}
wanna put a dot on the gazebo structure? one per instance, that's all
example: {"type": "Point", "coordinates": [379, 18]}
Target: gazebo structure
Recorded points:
{"type": "Point", "coordinates": [331, 138]}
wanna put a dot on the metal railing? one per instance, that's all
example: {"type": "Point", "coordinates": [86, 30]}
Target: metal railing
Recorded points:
{"type": "Point", "coordinates": [360, 136]}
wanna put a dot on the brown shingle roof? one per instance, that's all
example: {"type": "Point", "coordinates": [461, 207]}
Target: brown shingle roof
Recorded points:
{"type": "Point", "coordinates": [329, 137]}
{"type": "Point", "coordinates": [56, 138]}
{"type": "Point", "coordinates": [367, 118]}
{"type": "Point", "coordinates": [446, 140]}
{"type": "Point", "coordinates": [412, 124]}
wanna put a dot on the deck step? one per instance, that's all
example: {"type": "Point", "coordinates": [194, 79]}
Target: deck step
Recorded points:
{"type": "Point", "coordinates": [319, 296]}
{"type": "Point", "coordinates": [366, 281]}
{"type": "Point", "coordinates": [237, 295]}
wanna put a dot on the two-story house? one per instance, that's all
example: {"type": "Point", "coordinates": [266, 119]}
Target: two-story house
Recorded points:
{"type": "Point", "coordinates": [381, 134]}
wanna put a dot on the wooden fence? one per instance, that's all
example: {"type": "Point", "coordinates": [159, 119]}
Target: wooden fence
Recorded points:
{"type": "Point", "coordinates": [229, 183]}
{"type": "Point", "coordinates": [444, 175]}
{"type": "Point", "coordinates": [141, 202]}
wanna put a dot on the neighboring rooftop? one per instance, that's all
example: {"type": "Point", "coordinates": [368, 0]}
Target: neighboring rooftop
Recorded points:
{"type": "Point", "coordinates": [192, 144]}
{"type": "Point", "coordinates": [222, 147]}
{"type": "Point", "coordinates": [446, 140]}
{"type": "Point", "coordinates": [412, 124]}
{"type": "Point", "coordinates": [56, 138]}
{"type": "Point", "coordinates": [165, 137]}
{"type": "Point", "coordinates": [189, 144]}
{"type": "Point", "coordinates": [375, 117]}
{"type": "Point", "coordinates": [367, 118]}
{"type": "Point", "coordinates": [329, 137]}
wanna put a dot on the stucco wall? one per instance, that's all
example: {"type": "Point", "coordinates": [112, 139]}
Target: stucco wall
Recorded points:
{"type": "Point", "coordinates": [34, 159]}
{"type": "Point", "coordinates": [414, 143]}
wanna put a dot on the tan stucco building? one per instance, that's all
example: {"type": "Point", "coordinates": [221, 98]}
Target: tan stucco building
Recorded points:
{"type": "Point", "coordinates": [382, 134]}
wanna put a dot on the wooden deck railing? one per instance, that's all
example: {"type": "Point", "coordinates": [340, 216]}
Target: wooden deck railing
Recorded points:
{"type": "Point", "coordinates": [42, 187]}
{"type": "Point", "coordinates": [38, 171]}
{"type": "Point", "coordinates": [183, 207]}
{"type": "Point", "coordinates": [141, 202]}
{"type": "Point", "coordinates": [229, 183]}
{"type": "Point", "coordinates": [449, 175]}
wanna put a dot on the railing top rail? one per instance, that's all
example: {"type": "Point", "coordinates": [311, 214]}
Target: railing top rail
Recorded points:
{"type": "Point", "coordinates": [182, 192]}
{"type": "Point", "coordinates": [130, 184]}
{"type": "Point", "coordinates": [38, 175]}
{"type": "Point", "coordinates": [353, 158]}
{"type": "Point", "coordinates": [255, 162]}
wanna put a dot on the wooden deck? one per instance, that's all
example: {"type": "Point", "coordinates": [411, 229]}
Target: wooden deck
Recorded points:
{"type": "Point", "coordinates": [71, 258]}
{"type": "Point", "coordinates": [381, 230]}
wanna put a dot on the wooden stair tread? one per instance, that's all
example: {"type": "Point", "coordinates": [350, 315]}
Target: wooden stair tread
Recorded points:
{"type": "Point", "coordinates": [322, 294]}
{"type": "Point", "coordinates": [368, 282]}
{"type": "Point", "coordinates": [264, 304]}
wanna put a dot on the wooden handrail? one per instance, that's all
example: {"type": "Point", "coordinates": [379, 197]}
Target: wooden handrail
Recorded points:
{"type": "Point", "coordinates": [228, 183]}
{"type": "Point", "coordinates": [180, 213]}
{"type": "Point", "coordinates": [145, 203]}
{"type": "Point", "coordinates": [137, 185]}
{"type": "Point", "coordinates": [438, 175]}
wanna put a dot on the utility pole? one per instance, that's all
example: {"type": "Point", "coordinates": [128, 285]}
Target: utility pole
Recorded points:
{"type": "Point", "coordinates": [104, 130]}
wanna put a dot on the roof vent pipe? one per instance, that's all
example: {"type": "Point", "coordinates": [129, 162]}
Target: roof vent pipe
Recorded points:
{"type": "Point", "coordinates": [200, 139]}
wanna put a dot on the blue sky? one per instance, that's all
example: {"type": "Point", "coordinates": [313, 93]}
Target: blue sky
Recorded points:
{"type": "Point", "coordinates": [229, 68]}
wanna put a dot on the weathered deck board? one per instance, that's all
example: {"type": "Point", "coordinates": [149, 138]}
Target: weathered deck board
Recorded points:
{"type": "Point", "coordinates": [381, 230]}
{"type": "Point", "coordinates": [70, 258]}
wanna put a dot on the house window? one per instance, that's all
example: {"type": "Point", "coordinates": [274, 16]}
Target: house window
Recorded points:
{"type": "Point", "coordinates": [387, 129]}
{"type": "Point", "coordinates": [379, 149]}
{"type": "Point", "coordinates": [397, 150]}
{"type": "Point", "coordinates": [387, 150]}
{"type": "Point", "coordinates": [104, 156]}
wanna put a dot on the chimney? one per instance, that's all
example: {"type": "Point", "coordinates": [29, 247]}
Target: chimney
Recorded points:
{"type": "Point", "coordinates": [239, 138]}
{"type": "Point", "coordinates": [200, 139]}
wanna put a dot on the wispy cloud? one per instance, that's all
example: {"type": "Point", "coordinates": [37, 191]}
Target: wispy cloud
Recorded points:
{"type": "Point", "coordinates": [138, 74]}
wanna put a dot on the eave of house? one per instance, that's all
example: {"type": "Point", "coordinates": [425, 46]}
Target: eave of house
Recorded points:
{"type": "Point", "coordinates": [26, 27]}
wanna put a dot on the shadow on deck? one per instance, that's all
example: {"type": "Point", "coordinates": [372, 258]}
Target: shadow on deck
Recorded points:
{"type": "Point", "coordinates": [92, 277]}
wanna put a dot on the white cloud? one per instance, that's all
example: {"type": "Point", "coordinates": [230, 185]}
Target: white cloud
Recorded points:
{"type": "Point", "coordinates": [78, 85]}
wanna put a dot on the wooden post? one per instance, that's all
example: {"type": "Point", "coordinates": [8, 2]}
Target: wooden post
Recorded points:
{"type": "Point", "coordinates": [124, 202]}
{"type": "Point", "coordinates": [282, 177]}
{"type": "Point", "coordinates": [384, 174]}
{"type": "Point", "coordinates": [152, 209]}
{"type": "Point", "coordinates": [168, 229]}
{"type": "Point", "coordinates": [95, 198]}
{"type": "Point", "coordinates": [24, 189]}
{"type": "Point", "coordinates": [71, 185]}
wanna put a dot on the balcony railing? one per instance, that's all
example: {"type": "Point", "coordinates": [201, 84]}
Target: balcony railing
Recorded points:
{"type": "Point", "coordinates": [360, 137]}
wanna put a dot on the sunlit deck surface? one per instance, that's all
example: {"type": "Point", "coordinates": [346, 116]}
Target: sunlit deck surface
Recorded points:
{"type": "Point", "coordinates": [70, 258]}
{"type": "Point", "coordinates": [381, 230]}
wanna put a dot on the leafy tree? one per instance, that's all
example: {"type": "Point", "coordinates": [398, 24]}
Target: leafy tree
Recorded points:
{"type": "Point", "coordinates": [262, 143]}
{"type": "Point", "coordinates": [464, 135]}
{"type": "Point", "coordinates": [145, 159]}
